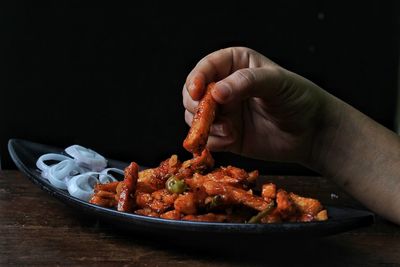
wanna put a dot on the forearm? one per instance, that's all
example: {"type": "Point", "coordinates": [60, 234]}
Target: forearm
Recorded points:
{"type": "Point", "coordinates": [360, 155]}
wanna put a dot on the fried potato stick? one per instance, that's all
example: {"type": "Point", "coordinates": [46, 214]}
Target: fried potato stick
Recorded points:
{"type": "Point", "coordinates": [196, 140]}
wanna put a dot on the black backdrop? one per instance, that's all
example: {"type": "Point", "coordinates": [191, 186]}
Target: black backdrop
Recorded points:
{"type": "Point", "coordinates": [110, 77]}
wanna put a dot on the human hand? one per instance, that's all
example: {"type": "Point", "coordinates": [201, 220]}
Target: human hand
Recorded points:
{"type": "Point", "coordinates": [265, 111]}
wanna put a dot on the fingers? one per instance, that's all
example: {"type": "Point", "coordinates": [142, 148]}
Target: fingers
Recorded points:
{"type": "Point", "coordinates": [221, 129]}
{"type": "Point", "coordinates": [188, 117]}
{"type": "Point", "coordinates": [262, 82]}
{"type": "Point", "coordinates": [188, 102]}
{"type": "Point", "coordinates": [220, 143]}
{"type": "Point", "coordinates": [214, 66]}
{"type": "Point", "coordinates": [196, 85]}
{"type": "Point", "coordinates": [219, 64]}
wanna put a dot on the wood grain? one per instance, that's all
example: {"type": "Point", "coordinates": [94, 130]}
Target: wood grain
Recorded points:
{"type": "Point", "coordinates": [38, 230]}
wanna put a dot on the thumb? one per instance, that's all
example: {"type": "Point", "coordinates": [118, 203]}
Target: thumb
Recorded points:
{"type": "Point", "coordinates": [263, 82]}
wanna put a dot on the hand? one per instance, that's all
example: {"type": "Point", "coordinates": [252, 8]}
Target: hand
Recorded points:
{"type": "Point", "coordinates": [270, 113]}
{"type": "Point", "coordinates": [265, 111]}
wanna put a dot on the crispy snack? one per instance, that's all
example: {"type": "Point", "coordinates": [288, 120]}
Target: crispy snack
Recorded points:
{"type": "Point", "coordinates": [128, 187]}
{"type": "Point", "coordinates": [194, 190]}
{"type": "Point", "coordinates": [196, 139]}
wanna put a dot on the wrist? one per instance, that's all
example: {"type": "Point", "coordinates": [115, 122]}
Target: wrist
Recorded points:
{"type": "Point", "coordinates": [328, 123]}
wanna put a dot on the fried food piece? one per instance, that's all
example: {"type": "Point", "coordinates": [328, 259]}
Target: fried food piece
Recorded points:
{"type": "Point", "coordinates": [193, 191]}
{"type": "Point", "coordinates": [225, 175]}
{"type": "Point", "coordinates": [306, 205]}
{"type": "Point", "coordinates": [199, 163]}
{"type": "Point", "coordinates": [131, 174]}
{"type": "Point", "coordinates": [230, 195]}
{"type": "Point", "coordinates": [148, 181]}
{"type": "Point", "coordinates": [233, 176]}
{"type": "Point", "coordinates": [165, 197]}
{"type": "Point", "coordinates": [285, 206]}
{"type": "Point", "coordinates": [221, 195]}
{"type": "Point", "coordinates": [196, 140]}
{"type": "Point", "coordinates": [159, 201]}
{"type": "Point", "coordinates": [322, 215]}
{"type": "Point", "coordinates": [102, 201]}
{"type": "Point", "coordinates": [186, 203]}
{"type": "Point", "coordinates": [147, 212]}
{"type": "Point", "coordinates": [143, 200]}
{"type": "Point", "coordinates": [167, 167]}
{"type": "Point", "coordinates": [151, 180]}
{"type": "Point", "coordinates": [106, 195]}
{"type": "Point", "coordinates": [196, 182]}
{"type": "Point", "coordinates": [268, 191]}
{"type": "Point", "coordinates": [171, 215]}
{"type": "Point", "coordinates": [234, 196]}
{"type": "Point", "coordinates": [110, 187]}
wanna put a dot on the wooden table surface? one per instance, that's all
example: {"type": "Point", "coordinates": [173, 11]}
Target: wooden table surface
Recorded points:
{"type": "Point", "coordinates": [37, 229]}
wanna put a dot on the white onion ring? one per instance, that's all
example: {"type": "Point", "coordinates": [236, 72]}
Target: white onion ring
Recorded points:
{"type": "Point", "coordinates": [50, 156]}
{"type": "Point", "coordinates": [45, 174]}
{"type": "Point", "coordinates": [105, 177]}
{"type": "Point", "coordinates": [87, 158]}
{"type": "Point", "coordinates": [58, 174]}
{"type": "Point", "coordinates": [82, 186]}
{"type": "Point", "coordinates": [79, 174]}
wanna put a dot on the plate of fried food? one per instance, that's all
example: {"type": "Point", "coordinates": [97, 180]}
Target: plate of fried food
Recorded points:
{"type": "Point", "coordinates": [191, 199]}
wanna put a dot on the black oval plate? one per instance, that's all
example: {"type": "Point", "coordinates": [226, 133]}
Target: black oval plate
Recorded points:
{"type": "Point", "coordinates": [25, 154]}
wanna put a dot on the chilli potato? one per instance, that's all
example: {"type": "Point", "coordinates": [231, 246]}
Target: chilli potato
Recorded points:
{"type": "Point", "coordinates": [195, 190]}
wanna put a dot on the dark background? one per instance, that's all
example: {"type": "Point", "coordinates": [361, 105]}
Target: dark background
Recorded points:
{"type": "Point", "coordinates": [110, 78]}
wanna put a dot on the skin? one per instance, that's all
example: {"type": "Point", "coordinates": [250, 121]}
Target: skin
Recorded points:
{"type": "Point", "coordinates": [268, 112]}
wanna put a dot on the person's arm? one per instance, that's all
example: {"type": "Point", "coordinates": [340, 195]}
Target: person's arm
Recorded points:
{"type": "Point", "coordinates": [360, 155]}
{"type": "Point", "coordinates": [270, 113]}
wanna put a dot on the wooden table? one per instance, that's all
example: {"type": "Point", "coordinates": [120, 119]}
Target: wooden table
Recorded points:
{"type": "Point", "coordinates": [37, 229]}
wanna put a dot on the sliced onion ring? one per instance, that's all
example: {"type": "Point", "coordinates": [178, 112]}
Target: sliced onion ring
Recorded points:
{"type": "Point", "coordinates": [45, 173]}
{"type": "Point", "coordinates": [59, 173]}
{"type": "Point", "coordinates": [50, 156]}
{"type": "Point", "coordinates": [87, 158]}
{"type": "Point", "coordinates": [82, 186]}
{"type": "Point", "coordinates": [105, 177]}
{"type": "Point", "coordinates": [79, 173]}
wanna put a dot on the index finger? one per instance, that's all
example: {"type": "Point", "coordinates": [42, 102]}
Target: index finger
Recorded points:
{"type": "Point", "coordinates": [211, 68]}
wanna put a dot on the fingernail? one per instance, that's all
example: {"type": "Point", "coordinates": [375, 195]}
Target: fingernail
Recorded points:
{"type": "Point", "coordinates": [222, 91]}
{"type": "Point", "coordinates": [195, 88]}
{"type": "Point", "coordinates": [191, 87]}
